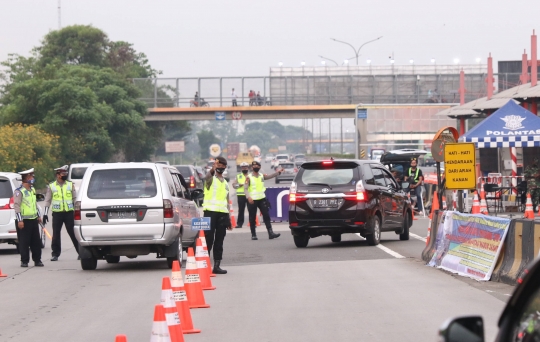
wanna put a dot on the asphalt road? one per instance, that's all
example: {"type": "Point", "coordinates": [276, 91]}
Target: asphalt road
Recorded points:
{"type": "Point", "coordinates": [273, 292]}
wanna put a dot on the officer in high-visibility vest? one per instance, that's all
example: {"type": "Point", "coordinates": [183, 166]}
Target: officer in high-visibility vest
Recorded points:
{"type": "Point", "coordinates": [27, 220]}
{"type": "Point", "coordinates": [238, 184]}
{"type": "Point", "coordinates": [416, 179]}
{"type": "Point", "coordinates": [216, 206]}
{"type": "Point", "coordinates": [254, 189]}
{"type": "Point", "coordinates": [60, 197]}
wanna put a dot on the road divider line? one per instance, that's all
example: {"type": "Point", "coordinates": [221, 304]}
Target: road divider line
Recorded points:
{"type": "Point", "coordinates": [386, 249]}
{"type": "Point", "coordinates": [417, 237]}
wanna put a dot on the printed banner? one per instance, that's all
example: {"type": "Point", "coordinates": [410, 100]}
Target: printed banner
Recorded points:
{"type": "Point", "coordinates": [469, 245]}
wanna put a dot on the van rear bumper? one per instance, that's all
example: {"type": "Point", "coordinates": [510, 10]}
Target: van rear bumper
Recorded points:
{"type": "Point", "coordinates": [110, 235]}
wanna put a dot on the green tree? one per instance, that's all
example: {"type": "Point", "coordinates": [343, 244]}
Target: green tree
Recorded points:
{"type": "Point", "coordinates": [206, 138]}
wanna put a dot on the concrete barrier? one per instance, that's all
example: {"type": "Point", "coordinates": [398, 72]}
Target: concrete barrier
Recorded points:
{"type": "Point", "coordinates": [429, 250]}
{"type": "Point", "coordinates": [520, 247]}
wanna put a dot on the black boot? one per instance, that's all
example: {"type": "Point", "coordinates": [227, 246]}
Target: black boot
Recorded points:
{"type": "Point", "coordinates": [253, 234]}
{"type": "Point", "coordinates": [271, 234]}
{"type": "Point", "coordinates": [217, 269]}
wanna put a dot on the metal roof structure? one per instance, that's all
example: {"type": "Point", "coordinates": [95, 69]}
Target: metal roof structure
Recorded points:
{"type": "Point", "coordinates": [521, 91]}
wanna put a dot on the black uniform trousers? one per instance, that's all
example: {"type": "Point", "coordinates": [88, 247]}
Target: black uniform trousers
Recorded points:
{"type": "Point", "coordinates": [242, 201]}
{"type": "Point", "coordinates": [252, 209]}
{"type": "Point", "coordinates": [218, 229]}
{"type": "Point", "coordinates": [29, 240]}
{"type": "Point", "coordinates": [59, 219]}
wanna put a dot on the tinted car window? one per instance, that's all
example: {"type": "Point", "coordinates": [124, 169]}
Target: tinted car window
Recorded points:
{"type": "Point", "coordinates": [378, 176]}
{"type": "Point", "coordinates": [328, 176]}
{"type": "Point", "coordinates": [287, 165]}
{"type": "Point", "coordinates": [78, 172]}
{"type": "Point", "coordinates": [5, 189]}
{"type": "Point", "coordinates": [177, 185]}
{"type": "Point", "coordinates": [122, 183]}
{"type": "Point", "coordinates": [184, 170]}
{"type": "Point", "coordinates": [389, 180]}
{"type": "Point", "coordinates": [368, 175]}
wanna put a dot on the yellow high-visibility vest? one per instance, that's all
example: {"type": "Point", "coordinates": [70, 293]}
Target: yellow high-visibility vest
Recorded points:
{"type": "Point", "coordinates": [62, 197]}
{"type": "Point", "coordinates": [256, 187]}
{"type": "Point", "coordinates": [241, 179]}
{"type": "Point", "coordinates": [215, 198]}
{"type": "Point", "coordinates": [28, 205]}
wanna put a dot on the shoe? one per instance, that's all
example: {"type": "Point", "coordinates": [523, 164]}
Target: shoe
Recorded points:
{"type": "Point", "coordinates": [38, 264]}
{"type": "Point", "coordinates": [54, 258]}
{"type": "Point", "coordinates": [272, 235]}
{"type": "Point", "coordinates": [217, 269]}
{"type": "Point", "coordinates": [238, 227]}
{"type": "Point", "coordinates": [254, 237]}
{"type": "Point", "coordinates": [79, 257]}
{"type": "Point", "coordinates": [24, 264]}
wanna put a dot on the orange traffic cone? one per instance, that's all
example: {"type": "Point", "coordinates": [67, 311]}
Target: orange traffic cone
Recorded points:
{"type": "Point", "coordinates": [160, 330]}
{"type": "Point", "coordinates": [483, 203]}
{"type": "Point", "coordinates": [171, 313]}
{"type": "Point", "coordinates": [202, 266]}
{"type": "Point", "coordinates": [193, 283]}
{"type": "Point", "coordinates": [120, 338]}
{"type": "Point", "coordinates": [476, 204]}
{"type": "Point", "coordinates": [231, 214]}
{"type": "Point", "coordinates": [529, 212]}
{"type": "Point", "coordinates": [205, 247]}
{"type": "Point", "coordinates": [2, 275]}
{"type": "Point", "coordinates": [180, 297]}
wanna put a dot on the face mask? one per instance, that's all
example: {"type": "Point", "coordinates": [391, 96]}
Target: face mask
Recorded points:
{"type": "Point", "coordinates": [31, 181]}
{"type": "Point", "coordinates": [256, 169]}
{"type": "Point", "coordinates": [245, 172]}
{"type": "Point", "coordinates": [63, 178]}
{"type": "Point", "coordinates": [220, 169]}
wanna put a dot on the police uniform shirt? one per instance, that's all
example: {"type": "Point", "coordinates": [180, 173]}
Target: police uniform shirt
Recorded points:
{"type": "Point", "coordinates": [17, 201]}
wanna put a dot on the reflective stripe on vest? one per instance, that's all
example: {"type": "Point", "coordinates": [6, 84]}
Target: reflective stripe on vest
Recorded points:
{"type": "Point", "coordinates": [28, 205]}
{"type": "Point", "coordinates": [416, 175]}
{"type": "Point", "coordinates": [256, 187]}
{"type": "Point", "coordinates": [62, 197]}
{"type": "Point", "coordinates": [241, 179]}
{"type": "Point", "coordinates": [215, 198]}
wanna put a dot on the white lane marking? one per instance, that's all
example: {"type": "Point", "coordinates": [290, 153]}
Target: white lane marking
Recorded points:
{"type": "Point", "coordinates": [386, 249]}
{"type": "Point", "coordinates": [418, 237]}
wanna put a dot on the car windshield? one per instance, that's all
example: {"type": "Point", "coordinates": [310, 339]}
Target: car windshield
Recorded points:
{"type": "Point", "coordinates": [122, 183]}
{"type": "Point", "coordinates": [78, 172]}
{"type": "Point", "coordinates": [5, 188]}
{"type": "Point", "coordinates": [282, 157]}
{"type": "Point", "coordinates": [328, 176]}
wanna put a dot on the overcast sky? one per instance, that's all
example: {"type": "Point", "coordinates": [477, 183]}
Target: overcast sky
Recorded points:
{"type": "Point", "coordinates": [246, 37]}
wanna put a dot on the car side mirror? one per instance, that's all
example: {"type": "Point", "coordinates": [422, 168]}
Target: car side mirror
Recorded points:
{"type": "Point", "coordinates": [197, 194]}
{"type": "Point", "coordinates": [462, 329]}
{"type": "Point", "coordinates": [40, 197]}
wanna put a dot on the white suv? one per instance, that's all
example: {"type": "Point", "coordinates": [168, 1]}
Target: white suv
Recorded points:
{"type": "Point", "coordinates": [131, 209]}
{"type": "Point", "coordinates": [8, 233]}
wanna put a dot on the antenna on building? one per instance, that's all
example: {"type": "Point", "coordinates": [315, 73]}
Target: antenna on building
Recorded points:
{"type": "Point", "coordinates": [59, 14]}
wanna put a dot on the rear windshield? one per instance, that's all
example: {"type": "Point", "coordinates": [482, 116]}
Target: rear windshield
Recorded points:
{"type": "Point", "coordinates": [78, 172]}
{"type": "Point", "coordinates": [329, 176]}
{"type": "Point", "coordinates": [287, 165]}
{"type": "Point", "coordinates": [5, 188]}
{"type": "Point", "coordinates": [184, 170]}
{"type": "Point", "coordinates": [122, 183]}
{"type": "Point", "coordinates": [300, 156]}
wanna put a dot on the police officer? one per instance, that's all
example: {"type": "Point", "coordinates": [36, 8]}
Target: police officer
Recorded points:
{"type": "Point", "coordinates": [216, 206]}
{"type": "Point", "coordinates": [60, 196]}
{"type": "Point", "coordinates": [28, 219]}
{"type": "Point", "coordinates": [238, 184]}
{"type": "Point", "coordinates": [416, 179]}
{"type": "Point", "coordinates": [254, 189]}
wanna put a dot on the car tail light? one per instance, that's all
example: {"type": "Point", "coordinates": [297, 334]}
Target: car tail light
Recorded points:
{"type": "Point", "coordinates": [191, 182]}
{"type": "Point", "coordinates": [295, 170]}
{"type": "Point", "coordinates": [294, 224]}
{"type": "Point", "coordinates": [328, 162]}
{"type": "Point", "coordinates": [167, 209]}
{"type": "Point", "coordinates": [9, 205]}
{"type": "Point", "coordinates": [77, 212]}
{"type": "Point", "coordinates": [361, 195]}
{"type": "Point", "coordinates": [297, 198]}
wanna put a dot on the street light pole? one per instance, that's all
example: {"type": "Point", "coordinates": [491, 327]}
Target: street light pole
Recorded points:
{"type": "Point", "coordinates": [328, 59]}
{"type": "Point", "coordinates": [356, 52]}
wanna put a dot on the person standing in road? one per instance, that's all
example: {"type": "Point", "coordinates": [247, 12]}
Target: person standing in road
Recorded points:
{"type": "Point", "coordinates": [254, 189]}
{"type": "Point", "coordinates": [238, 184]}
{"type": "Point", "coordinates": [27, 220]}
{"type": "Point", "coordinates": [61, 194]}
{"type": "Point", "coordinates": [234, 97]}
{"type": "Point", "coordinates": [416, 180]}
{"type": "Point", "coordinates": [216, 206]}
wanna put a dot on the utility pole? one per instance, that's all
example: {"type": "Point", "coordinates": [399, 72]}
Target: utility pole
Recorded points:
{"type": "Point", "coordinates": [59, 14]}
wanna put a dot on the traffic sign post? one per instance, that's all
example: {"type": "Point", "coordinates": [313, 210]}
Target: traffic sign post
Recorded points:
{"type": "Point", "coordinates": [220, 115]}
{"type": "Point", "coordinates": [175, 147]}
{"type": "Point", "coordinates": [236, 115]}
{"type": "Point", "coordinates": [444, 136]}
{"type": "Point", "coordinates": [459, 166]}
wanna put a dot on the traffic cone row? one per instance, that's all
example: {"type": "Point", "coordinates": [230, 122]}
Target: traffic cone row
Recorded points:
{"type": "Point", "coordinates": [483, 203]}
{"type": "Point", "coordinates": [231, 215]}
{"type": "Point", "coordinates": [203, 266]}
{"type": "Point", "coordinates": [529, 212]}
{"type": "Point", "coordinates": [207, 256]}
{"type": "Point", "coordinates": [476, 204]}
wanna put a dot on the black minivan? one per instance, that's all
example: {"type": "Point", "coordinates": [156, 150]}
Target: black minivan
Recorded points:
{"type": "Point", "coordinates": [333, 197]}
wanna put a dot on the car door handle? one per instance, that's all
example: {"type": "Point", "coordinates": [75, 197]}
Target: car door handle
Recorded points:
{"type": "Point", "coordinates": [91, 215]}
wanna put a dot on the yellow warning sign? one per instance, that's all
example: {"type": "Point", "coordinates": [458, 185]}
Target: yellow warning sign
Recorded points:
{"type": "Point", "coordinates": [459, 166]}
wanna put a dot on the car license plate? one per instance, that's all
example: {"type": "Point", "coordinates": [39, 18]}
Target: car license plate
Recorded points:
{"type": "Point", "coordinates": [325, 203]}
{"type": "Point", "coordinates": [122, 214]}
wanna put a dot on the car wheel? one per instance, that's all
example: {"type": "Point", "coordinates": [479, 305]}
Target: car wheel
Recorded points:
{"type": "Point", "coordinates": [336, 238]}
{"type": "Point", "coordinates": [301, 241]}
{"type": "Point", "coordinates": [42, 237]}
{"type": "Point", "coordinates": [178, 256]}
{"type": "Point", "coordinates": [89, 264]}
{"type": "Point", "coordinates": [405, 234]}
{"type": "Point", "coordinates": [374, 238]}
{"type": "Point", "coordinates": [112, 259]}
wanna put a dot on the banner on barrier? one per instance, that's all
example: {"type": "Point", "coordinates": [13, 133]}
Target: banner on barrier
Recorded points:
{"type": "Point", "coordinates": [469, 245]}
